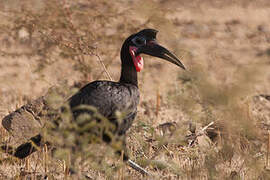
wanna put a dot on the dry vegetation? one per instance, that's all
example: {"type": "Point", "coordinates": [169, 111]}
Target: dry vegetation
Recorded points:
{"type": "Point", "coordinates": [209, 122]}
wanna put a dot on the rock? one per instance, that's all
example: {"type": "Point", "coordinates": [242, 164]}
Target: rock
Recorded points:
{"type": "Point", "coordinates": [26, 122]}
{"type": "Point", "coordinates": [263, 28]}
{"type": "Point", "coordinates": [261, 111]}
{"type": "Point", "coordinates": [23, 35]}
{"type": "Point", "coordinates": [167, 128]}
{"type": "Point", "coordinates": [204, 141]}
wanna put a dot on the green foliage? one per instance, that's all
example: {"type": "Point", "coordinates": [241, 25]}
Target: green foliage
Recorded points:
{"type": "Point", "coordinates": [78, 141]}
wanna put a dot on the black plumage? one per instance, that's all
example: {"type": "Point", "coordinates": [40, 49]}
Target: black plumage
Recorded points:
{"type": "Point", "coordinates": [123, 96]}
{"type": "Point", "coordinates": [109, 97]}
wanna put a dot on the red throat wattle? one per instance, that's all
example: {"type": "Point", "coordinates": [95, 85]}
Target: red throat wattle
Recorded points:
{"type": "Point", "coordinates": [137, 60]}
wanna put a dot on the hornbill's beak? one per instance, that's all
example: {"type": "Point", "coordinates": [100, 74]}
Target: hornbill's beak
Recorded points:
{"type": "Point", "coordinates": [152, 48]}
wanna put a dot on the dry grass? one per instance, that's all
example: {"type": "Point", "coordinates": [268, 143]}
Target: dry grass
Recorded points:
{"type": "Point", "coordinates": [47, 43]}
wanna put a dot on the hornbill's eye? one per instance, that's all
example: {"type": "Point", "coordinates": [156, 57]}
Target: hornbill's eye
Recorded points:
{"type": "Point", "coordinates": [139, 41]}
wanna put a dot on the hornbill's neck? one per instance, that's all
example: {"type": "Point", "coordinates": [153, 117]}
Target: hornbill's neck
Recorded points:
{"type": "Point", "coordinates": [143, 42]}
{"type": "Point", "coordinates": [128, 70]}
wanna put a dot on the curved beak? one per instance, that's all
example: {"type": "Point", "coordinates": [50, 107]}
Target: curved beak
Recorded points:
{"type": "Point", "coordinates": [152, 48]}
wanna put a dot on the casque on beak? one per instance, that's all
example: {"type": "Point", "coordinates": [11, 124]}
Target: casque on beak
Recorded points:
{"type": "Point", "coordinates": [152, 48]}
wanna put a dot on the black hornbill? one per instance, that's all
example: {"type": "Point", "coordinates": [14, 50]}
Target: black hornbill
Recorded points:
{"type": "Point", "coordinates": [108, 96]}
{"type": "Point", "coordinates": [123, 96]}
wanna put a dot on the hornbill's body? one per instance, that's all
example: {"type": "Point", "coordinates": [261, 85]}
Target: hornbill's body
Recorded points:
{"type": "Point", "coordinates": [109, 97]}
{"type": "Point", "coordinates": [123, 96]}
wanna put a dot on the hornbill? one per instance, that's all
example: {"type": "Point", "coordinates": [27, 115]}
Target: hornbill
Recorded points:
{"type": "Point", "coordinates": [110, 97]}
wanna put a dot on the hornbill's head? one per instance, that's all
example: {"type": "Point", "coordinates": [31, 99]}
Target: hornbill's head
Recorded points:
{"type": "Point", "coordinates": [145, 42]}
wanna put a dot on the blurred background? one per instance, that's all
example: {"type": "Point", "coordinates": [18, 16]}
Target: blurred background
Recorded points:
{"type": "Point", "coordinates": [224, 44]}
